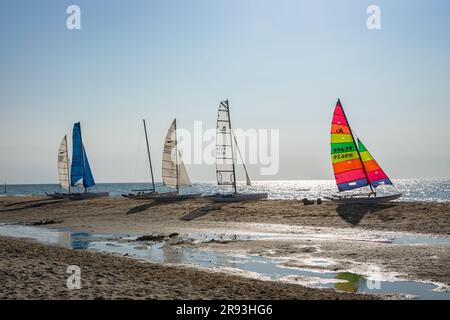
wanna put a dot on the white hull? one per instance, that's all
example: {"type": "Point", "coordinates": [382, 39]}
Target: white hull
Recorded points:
{"type": "Point", "coordinates": [237, 197]}
{"type": "Point", "coordinates": [364, 200]}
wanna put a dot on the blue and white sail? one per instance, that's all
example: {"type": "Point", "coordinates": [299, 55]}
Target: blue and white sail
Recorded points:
{"type": "Point", "coordinates": [80, 170]}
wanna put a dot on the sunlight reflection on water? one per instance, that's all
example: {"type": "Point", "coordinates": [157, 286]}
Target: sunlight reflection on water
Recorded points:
{"type": "Point", "coordinates": [412, 189]}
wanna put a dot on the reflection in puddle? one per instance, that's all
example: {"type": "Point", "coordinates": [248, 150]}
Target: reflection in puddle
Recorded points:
{"type": "Point", "coordinates": [264, 267]}
{"type": "Point", "coordinates": [357, 283]}
{"type": "Point", "coordinates": [79, 240]}
{"type": "Point", "coordinates": [353, 282]}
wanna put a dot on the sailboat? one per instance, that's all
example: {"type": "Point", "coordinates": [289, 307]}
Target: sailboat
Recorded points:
{"type": "Point", "coordinates": [174, 172]}
{"type": "Point", "coordinates": [354, 167]}
{"type": "Point", "coordinates": [80, 174]}
{"type": "Point", "coordinates": [149, 193]}
{"type": "Point", "coordinates": [225, 164]}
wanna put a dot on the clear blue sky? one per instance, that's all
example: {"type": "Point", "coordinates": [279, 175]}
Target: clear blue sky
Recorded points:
{"type": "Point", "coordinates": [282, 64]}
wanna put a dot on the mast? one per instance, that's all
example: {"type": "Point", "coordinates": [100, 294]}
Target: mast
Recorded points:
{"type": "Point", "coordinates": [67, 157]}
{"type": "Point", "coordinates": [231, 146]}
{"type": "Point", "coordinates": [84, 161]}
{"type": "Point", "coordinates": [356, 146]}
{"type": "Point", "coordinates": [148, 153]}
{"type": "Point", "coordinates": [176, 156]}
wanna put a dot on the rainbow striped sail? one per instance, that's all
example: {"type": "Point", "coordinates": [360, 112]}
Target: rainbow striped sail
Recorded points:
{"type": "Point", "coordinates": [353, 165]}
{"type": "Point", "coordinates": [375, 174]}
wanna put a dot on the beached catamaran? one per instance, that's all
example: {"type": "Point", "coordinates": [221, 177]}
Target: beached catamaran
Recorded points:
{"type": "Point", "coordinates": [225, 160]}
{"type": "Point", "coordinates": [353, 165]}
{"type": "Point", "coordinates": [80, 174]}
{"type": "Point", "coordinates": [174, 172]}
{"type": "Point", "coordinates": [149, 193]}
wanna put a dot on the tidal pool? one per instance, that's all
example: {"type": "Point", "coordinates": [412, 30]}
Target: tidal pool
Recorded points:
{"type": "Point", "coordinates": [268, 268]}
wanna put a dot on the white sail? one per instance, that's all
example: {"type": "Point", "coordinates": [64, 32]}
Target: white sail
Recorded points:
{"type": "Point", "coordinates": [225, 165]}
{"type": "Point", "coordinates": [174, 175]}
{"type": "Point", "coordinates": [224, 147]}
{"type": "Point", "coordinates": [63, 164]}
{"type": "Point", "coordinates": [183, 178]}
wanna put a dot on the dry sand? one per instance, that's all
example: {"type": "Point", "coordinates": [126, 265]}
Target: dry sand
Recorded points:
{"type": "Point", "coordinates": [116, 214]}
{"type": "Point", "coordinates": [32, 270]}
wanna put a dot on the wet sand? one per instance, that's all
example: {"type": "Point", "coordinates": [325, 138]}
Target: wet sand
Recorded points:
{"type": "Point", "coordinates": [417, 263]}
{"type": "Point", "coordinates": [33, 271]}
{"type": "Point", "coordinates": [115, 215]}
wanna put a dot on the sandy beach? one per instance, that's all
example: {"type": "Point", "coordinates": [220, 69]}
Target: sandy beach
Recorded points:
{"type": "Point", "coordinates": [32, 271]}
{"type": "Point", "coordinates": [348, 239]}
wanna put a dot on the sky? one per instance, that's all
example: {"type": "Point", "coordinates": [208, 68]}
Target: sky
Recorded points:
{"type": "Point", "coordinates": [282, 65]}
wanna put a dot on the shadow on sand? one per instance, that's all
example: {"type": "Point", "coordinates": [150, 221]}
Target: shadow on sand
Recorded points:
{"type": "Point", "coordinates": [27, 202]}
{"type": "Point", "coordinates": [32, 204]}
{"type": "Point", "coordinates": [200, 212]}
{"type": "Point", "coordinates": [354, 213]}
{"type": "Point", "coordinates": [146, 206]}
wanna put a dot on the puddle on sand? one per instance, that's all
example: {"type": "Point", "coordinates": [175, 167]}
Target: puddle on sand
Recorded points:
{"type": "Point", "coordinates": [421, 240]}
{"type": "Point", "coordinates": [68, 239]}
{"type": "Point", "coordinates": [317, 234]}
{"type": "Point", "coordinates": [287, 232]}
{"type": "Point", "coordinates": [264, 267]}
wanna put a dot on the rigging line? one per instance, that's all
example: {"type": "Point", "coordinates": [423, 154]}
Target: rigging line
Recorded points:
{"type": "Point", "coordinates": [242, 159]}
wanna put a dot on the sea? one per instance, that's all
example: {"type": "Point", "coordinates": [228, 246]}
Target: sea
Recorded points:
{"type": "Point", "coordinates": [428, 190]}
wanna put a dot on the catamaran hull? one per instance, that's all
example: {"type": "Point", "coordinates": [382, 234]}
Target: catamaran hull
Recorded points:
{"type": "Point", "coordinates": [55, 195]}
{"type": "Point", "coordinates": [142, 196]}
{"type": "Point", "coordinates": [78, 196]}
{"type": "Point", "coordinates": [364, 200]}
{"type": "Point", "coordinates": [237, 197]}
{"type": "Point", "coordinates": [175, 197]}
